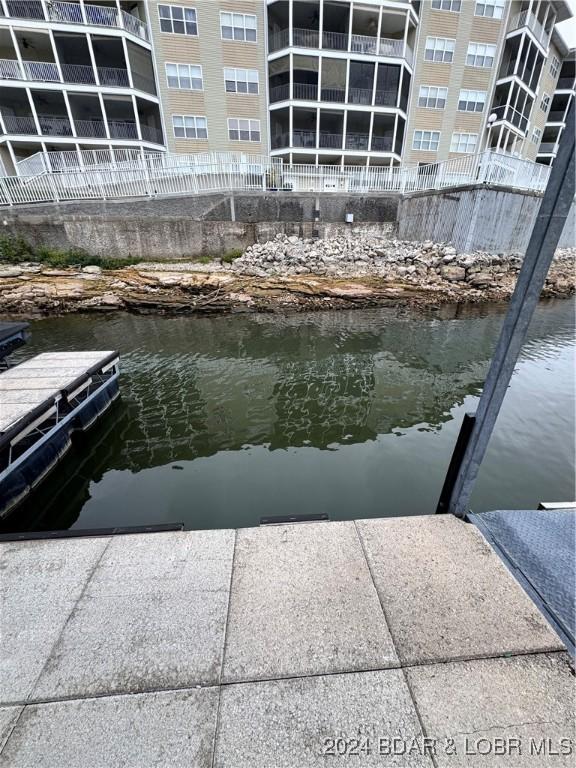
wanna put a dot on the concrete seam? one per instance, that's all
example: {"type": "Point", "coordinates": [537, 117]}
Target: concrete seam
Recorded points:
{"type": "Point", "coordinates": [255, 681]}
{"type": "Point", "coordinates": [27, 701]}
{"type": "Point", "coordinates": [224, 642]}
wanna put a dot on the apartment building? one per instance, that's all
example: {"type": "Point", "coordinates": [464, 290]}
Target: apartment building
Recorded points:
{"type": "Point", "coordinates": [75, 75]}
{"type": "Point", "coordinates": [356, 82]}
{"type": "Point", "coordinates": [555, 106]}
{"type": "Point", "coordinates": [210, 60]}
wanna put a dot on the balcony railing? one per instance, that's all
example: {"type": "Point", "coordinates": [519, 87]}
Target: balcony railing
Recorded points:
{"type": "Point", "coordinates": [386, 98]}
{"type": "Point", "coordinates": [304, 139]}
{"type": "Point", "coordinates": [78, 73]}
{"type": "Point", "coordinates": [150, 133]}
{"type": "Point", "coordinates": [305, 91]}
{"type": "Point", "coordinates": [123, 129]}
{"type": "Point", "coordinates": [340, 41]}
{"type": "Point", "coordinates": [74, 13]}
{"type": "Point", "coordinates": [381, 144]}
{"type": "Point", "coordinates": [305, 38]}
{"type": "Point", "coordinates": [358, 141]}
{"type": "Point", "coordinates": [113, 76]}
{"type": "Point", "coordinates": [335, 41]}
{"type": "Point", "coordinates": [556, 117]}
{"type": "Point", "coordinates": [19, 125]}
{"type": "Point", "coordinates": [333, 94]}
{"type": "Point", "coordinates": [360, 95]}
{"type": "Point", "coordinates": [95, 129]}
{"type": "Point", "coordinates": [331, 140]}
{"type": "Point", "coordinates": [566, 83]}
{"type": "Point", "coordinates": [47, 71]}
{"type": "Point", "coordinates": [527, 19]}
{"type": "Point", "coordinates": [511, 115]}
{"type": "Point", "coordinates": [41, 71]}
{"type": "Point", "coordinates": [280, 92]}
{"type": "Point", "coordinates": [55, 125]}
{"type": "Point", "coordinates": [548, 148]}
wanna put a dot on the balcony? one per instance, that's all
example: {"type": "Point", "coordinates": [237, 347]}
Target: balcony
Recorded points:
{"type": "Point", "coordinates": [527, 19]}
{"type": "Point", "coordinates": [556, 117]}
{"type": "Point", "coordinates": [304, 139]}
{"type": "Point", "coordinates": [55, 125]}
{"type": "Point", "coordinates": [20, 125]}
{"type": "Point", "coordinates": [331, 140]}
{"type": "Point", "coordinates": [381, 144]}
{"type": "Point", "coordinates": [357, 141]}
{"type": "Point", "coordinates": [150, 133]}
{"type": "Point", "coordinates": [93, 129]}
{"type": "Point", "coordinates": [511, 115]}
{"type": "Point", "coordinates": [565, 84]}
{"type": "Point", "coordinates": [548, 148]}
{"type": "Point", "coordinates": [309, 92]}
{"type": "Point", "coordinates": [74, 13]}
{"type": "Point", "coordinates": [81, 74]}
{"type": "Point", "coordinates": [340, 41]}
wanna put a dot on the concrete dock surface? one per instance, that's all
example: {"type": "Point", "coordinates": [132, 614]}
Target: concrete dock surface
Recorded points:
{"type": "Point", "coordinates": [390, 642]}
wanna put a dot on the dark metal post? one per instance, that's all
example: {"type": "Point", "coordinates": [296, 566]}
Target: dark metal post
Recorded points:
{"type": "Point", "coordinates": [546, 233]}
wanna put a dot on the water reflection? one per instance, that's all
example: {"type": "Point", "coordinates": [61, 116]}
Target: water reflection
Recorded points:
{"type": "Point", "coordinates": [225, 419]}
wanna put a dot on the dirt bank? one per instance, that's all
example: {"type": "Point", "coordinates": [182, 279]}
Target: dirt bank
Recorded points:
{"type": "Point", "coordinates": [286, 274]}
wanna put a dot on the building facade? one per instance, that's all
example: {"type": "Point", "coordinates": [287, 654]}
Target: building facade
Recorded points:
{"type": "Point", "coordinates": [337, 82]}
{"type": "Point", "coordinates": [555, 108]}
{"type": "Point", "coordinates": [74, 75]}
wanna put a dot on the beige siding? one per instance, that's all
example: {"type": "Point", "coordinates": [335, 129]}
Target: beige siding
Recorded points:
{"type": "Point", "coordinates": [213, 54]}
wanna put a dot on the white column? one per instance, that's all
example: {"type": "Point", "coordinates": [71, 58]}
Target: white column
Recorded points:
{"type": "Point", "coordinates": [319, 95]}
{"type": "Point", "coordinates": [395, 132]}
{"type": "Point", "coordinates": [406, 28]}
{"type": "Point", "coordinates": [104, 115]}
{"type": "Point", "coordinates": [344, 130]}
{"type": "Point", "coordinates": [290, 23]}
{"type": "Point", "coordinates": [83, 11]}
{"type": "Point", "coordinates": [347, 79]}
{"type": "Point", "coordinates": [93, 58]}
{"type": "Point", "coordinates": [136, 117]}
{"type": "Point", "coordinates": [55, 53]}
{"type": "Point", "coordinates": [4, 10]}
{"type": "Point", "coordinates": [379, 30]}
{"type": "Point", "coordinates": [290, 124]}
{"type": "Point", "coordinates": [34, 113]}
{"type": "Point", "coordinates": [321, 26]}
{"type": "Point", "coordinates": [17, 49]}
{"type": "Point", "coordinates": [70, 115]}
{"type": "Point", "coordinates": [128, 65]}
{"type": "Point", "coordinates": [350, 26]}
{"type": "Point", "coordinates": [317, 127]}
{"type": "Point", "coordinates": [519, 54]}
{"type": "Point", "coordinates": [370, 131]}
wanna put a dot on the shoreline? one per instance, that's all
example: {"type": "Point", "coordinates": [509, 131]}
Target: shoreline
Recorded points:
{"type": "Point", "coordinates": [284, 275]}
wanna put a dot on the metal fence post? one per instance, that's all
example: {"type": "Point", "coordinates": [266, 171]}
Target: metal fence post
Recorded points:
{"type": "Point", "coordinates": [554, 211]}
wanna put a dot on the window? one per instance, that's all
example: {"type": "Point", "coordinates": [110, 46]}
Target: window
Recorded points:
{"type": "Point", "coordinates": [554, 66]}
{"type": "Point", "coordinates": [432, 97]}
{"type": "Point", "coordinates": [439, 49]}
{"type": "Point", "coordinates": [187, 77]}
{"type": "Point", "coordinates": [190, 127]}
{"type": "Point", "coordinates": [241, 80]}
{"type": "Point", "coordinates": [447, 5]}
{"type": "Point", "coordinates": [492, 9]}
{"type": "Point", "coordinates": [243, 130]}
{"type": "Point", "coordinates": [463, 142]}
{"type": "Point", "coordinates": [426, 140]}
{"type": "Point", "coordinates": [471, 101]}
{"type": "Point", "coordinates": [480, 55]}
{"type": "Point", "coordinates": [238, 26]}
{"type": "Point", "coordinates": [536, 136]}
{"type": "Point", "coordinates": [545, 103]}
{"type": "Point", "coordinates": [178, 20]}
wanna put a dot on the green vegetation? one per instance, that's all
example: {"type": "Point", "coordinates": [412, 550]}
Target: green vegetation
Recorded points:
{"type": "Point", "coordinates": [229, 257]}
{"type": "Point", "coordinates": [15, 250]}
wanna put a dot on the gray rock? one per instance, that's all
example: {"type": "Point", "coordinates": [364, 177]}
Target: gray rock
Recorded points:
{"type": "Point", "coordinates": [454, 274]}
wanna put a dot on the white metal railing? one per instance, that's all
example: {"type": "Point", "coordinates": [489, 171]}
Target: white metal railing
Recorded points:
{"type": "Point", "coordinates": [103, 174]}
{"type": "Point", "coordinates": [10, 70]}
{"type": "Point", "coordinates": [548, 148]}
{"type": "Point", "coordinates": [113, 76]}
{"type": "Point", "coordinates": [75, 13]}
{"type": "Point", "coordinates": [42, 71]}
{"type": "Point", "coordinates": [340, 41]}
{"type": "Point", "coordinates": [527, 19]}
{"type": "Point", "coordinates": [78, 73]}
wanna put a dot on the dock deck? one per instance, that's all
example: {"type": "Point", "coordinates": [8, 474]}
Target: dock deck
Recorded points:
{"type": "Point", "coordinates": [290, 646]}
{"type": "Point", "coordinates": [42, 401]}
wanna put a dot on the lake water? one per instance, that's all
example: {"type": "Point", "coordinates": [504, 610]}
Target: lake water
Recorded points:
{"type": "Point", "coordinates": [226, 419]}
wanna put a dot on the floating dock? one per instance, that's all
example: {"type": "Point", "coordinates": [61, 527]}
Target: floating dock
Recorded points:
{"type": "Point", "coordinates": [12, 336]}
{"type": "Point", "coordinates": [399, 641]}
{"type": "Point", "coordinates": [42, 402]}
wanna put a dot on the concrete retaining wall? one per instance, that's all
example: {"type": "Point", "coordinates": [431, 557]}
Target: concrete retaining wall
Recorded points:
{"type": "Point", "coordinates": [179, 228]}
{"type": "Point", "coordinates": [482, 218]}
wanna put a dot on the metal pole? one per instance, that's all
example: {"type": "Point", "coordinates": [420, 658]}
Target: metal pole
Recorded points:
{"type": "Point", "coordinates": [546, 233]}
